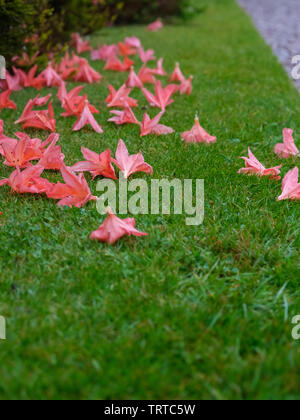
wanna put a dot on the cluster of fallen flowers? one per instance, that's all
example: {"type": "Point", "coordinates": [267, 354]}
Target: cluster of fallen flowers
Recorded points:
{"type": "Point", "coordinates": [20, 152]}
{"type": "Point", "coordinates": [290, 185]}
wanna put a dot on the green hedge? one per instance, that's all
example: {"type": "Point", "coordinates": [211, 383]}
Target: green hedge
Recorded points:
{"type": "Point", "coordinates": [51, 21]}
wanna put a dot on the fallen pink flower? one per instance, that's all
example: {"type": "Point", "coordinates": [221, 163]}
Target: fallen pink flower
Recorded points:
{"type": "Point", "coordinates": [290, 186]}
{"type": "Point", "coordinates": [114, 64]}
{"type": "Point", "coordinates": [34, 81]}
{"type": "Point", "coordinates": [155, 26]}
{"type": "Point", "coordinates": [198, 134]}
{"type": "Point", "coordinates": [37, 101]}
{"type": "Point", "coordinates": [105, 52]}
{"type": "Point", "coordinates": [4, 139]}
{"type": "Point", "coordinates": [146, 76]}
{"type": "Point", "coordinates": [146, 56]}
{"type": "Point", "coordinates": [27, 181]}
{"type": "Point", "coordinates": [124, 117]}
{"type": "Point", "coordinates": [162, 97]}
{"type": "Point", "coordinates": [133, 42]}
{"type": "Point", "coordinates": [80, 45]}
{"type": "Point", "coordinates": [126, 50]}
{"type": "Point", "coordinates": [67, 66]}
{"type": "Point", "coordinates": [42, 120]}
{"type": "Point", "coordinates": [5, 102]}
{"type": "Point", "coordinates": [20, 154]}
{"type": "Point", "coordinates": [159, 71]}
{"type": "Point", "coordinates": [288, 147]}
{"type": "Point", "coordinates": [12, 82]}
{"type": "Point", "coordinates": [115, 228]}
{"type": "Point", "coordinates": [25, 61]}
{"type": "Point", "coordinates": [153, 127]}
{"type": "Point", "coordinates": [177, 75]}
{"type": "Point", "coordinates": [63, 94]}
{"type": "Point", "coordinates": [130, 164]}
{"type": "Point", "coordinates": [186, 87]}
{"type": "Point", "coordinates": [52, 79]}
{"type": "Point", "coordinates": [133, 80]}
{"type": "Point", "coordinates": [75, 191]}
{"type": "Point", "coordinates": [87, 118]}
{"type": "Point", "coordinates": [72, 103]}
{"type": "Point", "coordinates": [41, 101]}
{"type": "Point", "coordinates": [116, 99]}
{"type": "Point", "coordinates": [254, 167]}
{"type": "Point", "coordinates": [52, 158]}
{"type": "Point", "coordinates": [96, 164]}
{"type": "Point", "coordinates": [86, 73]}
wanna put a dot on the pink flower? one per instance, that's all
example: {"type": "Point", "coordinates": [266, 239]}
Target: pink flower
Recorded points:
{"type": "Point", "coordinates": [130, 164]}
{"type": "Point", "coordinates": [4, 139]}
{"type": "Point", "coordinates": [20, 154]}
{"type": "Point", "coordinates": [153, 127]}
{"type": "Point", "coordinates": [12, 82]}
{"type": "Point", "coordinates": [290, 186]}
{"type": "Point", "coordinates": [118, 98]}
{"type": "Point", "coordinates": [177, 75]}
{"type": "Point", "coordinates": [104, 52]}
{"type": "Point", "coordinates": [133, 80]}
{"type": "Point", "coordinates": [254, 167]}
{"type": "Point", "coordinates": [96, 164]}
{"type": "Point", "coordinates": [133, 42]}
{"type": "Point", "coordinates": [52, 79]}
{"type": "Point", "coordinates": [114, 64]}
{"type": "Point", "coordinates": [198, 134]}
{"type": "Point", "coordinates": [159, 71]}
{"type": "Point", "coordinates": [155, 26]}
{"type": "Point", "coordinates": [146, 56]}
{"type": "Point", "coordinates": [87, 118]}
{"type": "Point", "coordinates": [86, 73]}
{"type": "Point", "coordinates": [5, 102]}
{"type": "Point", "coordinates": [25, 61]}
{"type": "Point", "coordinates": [186, 87]}
{"type": "Point", "coordinates": [288, 147]}
{"type": "Point", "coordinates": [125, 49]}
{"type": "Point", "coordinates": [33, 81]}
{"type": "Point", "coordinates": [52, 157]}
{"type": "Point", "coordinates": [79, 44]}
{"type": "Point", "coordinates": [75, 191]}
{"type": "Point", "coordinates": [162, 97]}
{"type": "Point", "coordinates": [27, 181]}
{"type": "Point", "coordinates": [115, 228]}
{"type": "Point", "coordinates": [41, 120]}
{"type": "Point", "coordinates": [146, 75]}
{"type": "Point", "coordinates": [124, 117]}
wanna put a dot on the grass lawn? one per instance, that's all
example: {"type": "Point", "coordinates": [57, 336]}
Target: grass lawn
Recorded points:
{"type": "Point", "coordinates": [187, 312]}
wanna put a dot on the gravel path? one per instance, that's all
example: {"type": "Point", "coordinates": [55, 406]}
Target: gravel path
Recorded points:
{"type": "Point", "coordinates": [279, 23]}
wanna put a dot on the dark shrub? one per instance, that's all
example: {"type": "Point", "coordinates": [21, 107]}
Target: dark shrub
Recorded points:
{"type": "Point", "coordinates": [48, 24]}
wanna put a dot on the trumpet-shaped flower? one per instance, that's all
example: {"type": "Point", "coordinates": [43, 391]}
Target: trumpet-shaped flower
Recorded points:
{"type": "Point", "coordinates": [288, 147]}
{"type": "Point", "coordinates": [254, 167]}
{"type": "Point", "coordinates": [290, 186]}
{"type": "Point", "coordinates": [114, 228]}
{"type": "Point", "coordinates": [197, 134]}
{"type": "Point", "coordinates": [130, 164]}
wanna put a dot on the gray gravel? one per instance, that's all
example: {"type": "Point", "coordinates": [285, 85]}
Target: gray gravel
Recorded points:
{"type": "Point", "coordinates": [279, 23]}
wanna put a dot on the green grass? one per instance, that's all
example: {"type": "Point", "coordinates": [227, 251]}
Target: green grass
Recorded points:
{"type": "Point", "coordinates": [187, 312]}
